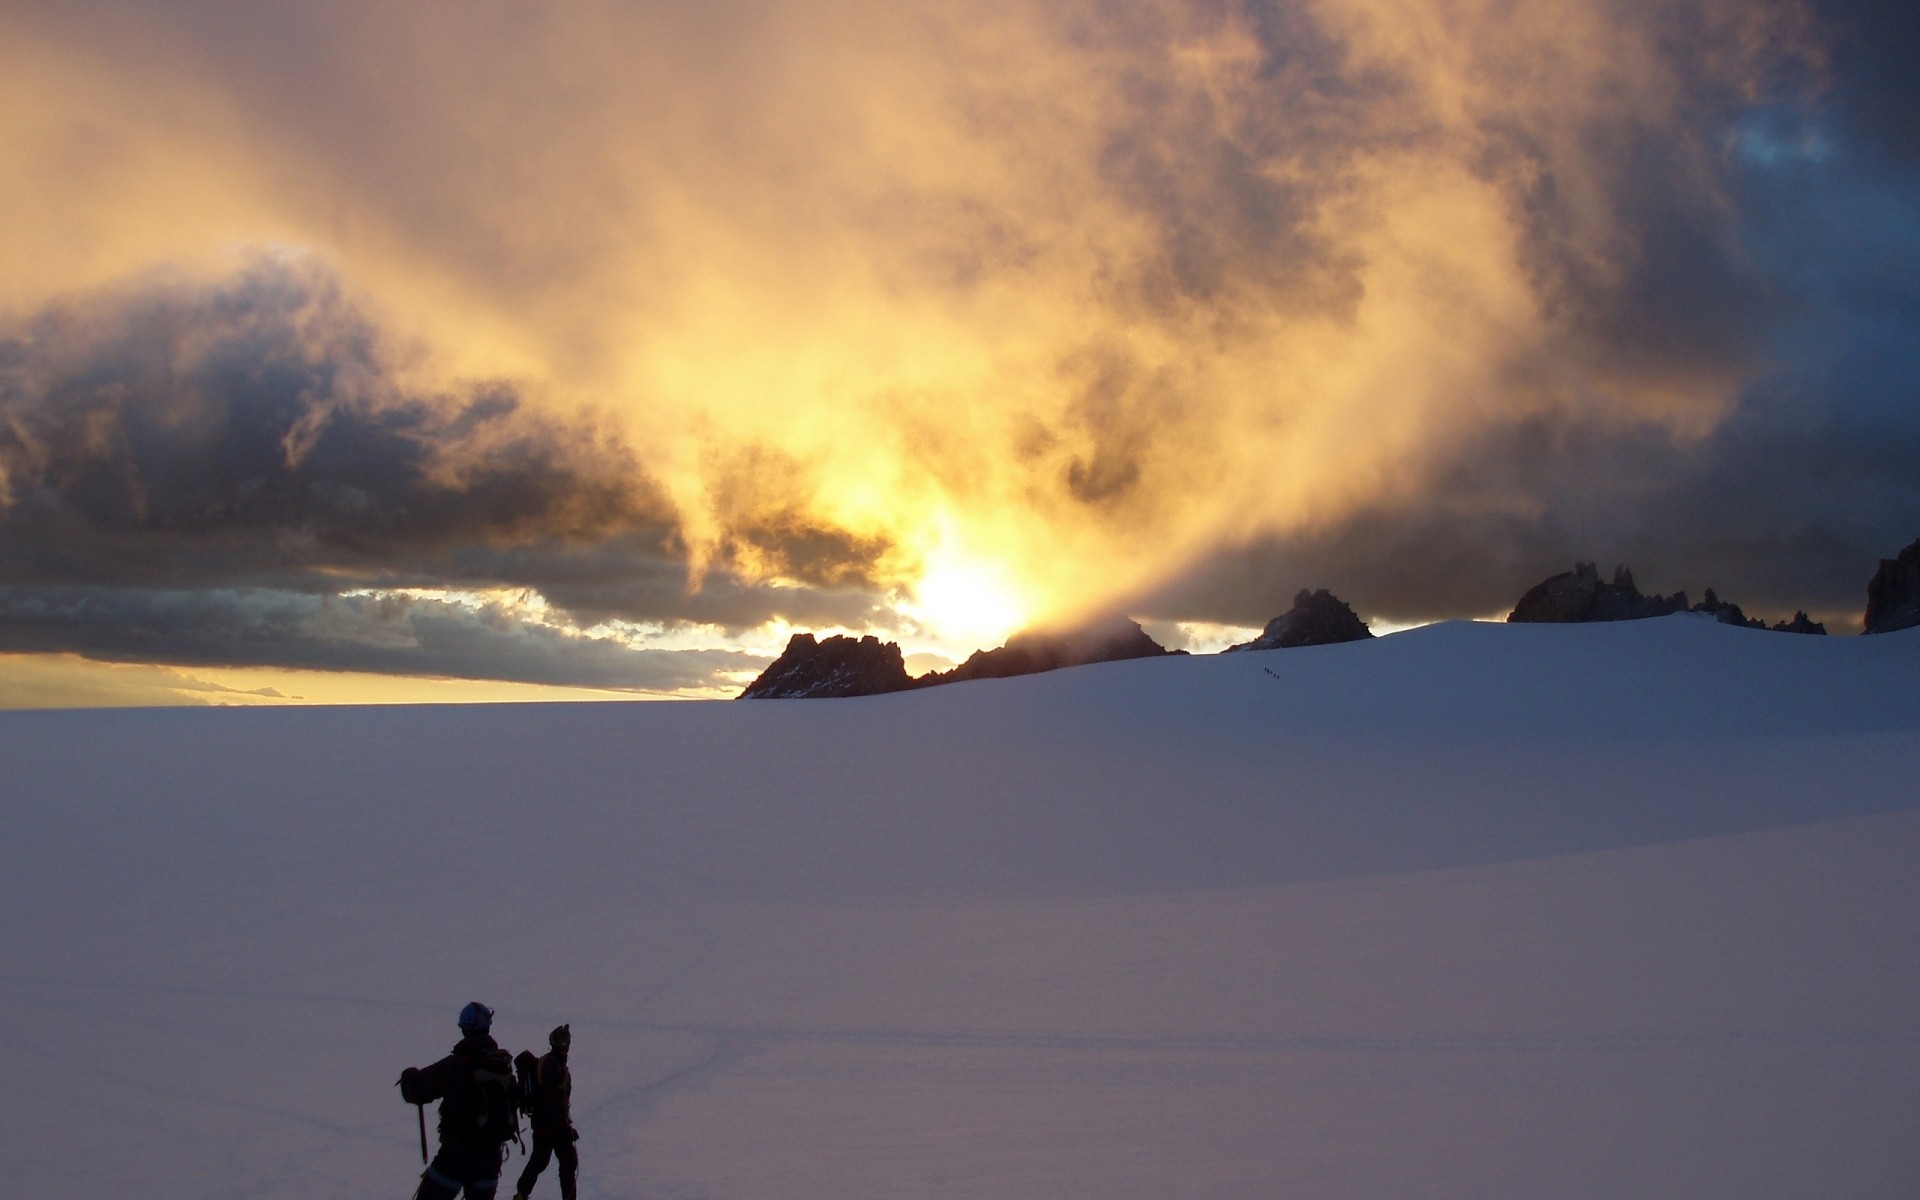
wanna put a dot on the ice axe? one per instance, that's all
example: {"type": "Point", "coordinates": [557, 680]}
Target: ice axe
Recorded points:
{"type": "Point", "coordinates": [420, 1108]}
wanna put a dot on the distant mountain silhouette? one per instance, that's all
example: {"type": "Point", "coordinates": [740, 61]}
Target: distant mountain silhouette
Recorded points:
{"type": "Point", "coordinates": [1730, 614]}
{"type": "Point", "coordinates": [839, 666]}
{"type": "Point", "coordinates": [842, 666]}
{"type": "Point", "coordinates": [1579, 595]}
{"type": "Point", "coordinates": [1317, 618]}
{"type": "Point", "coordinates": [1893, 595]}
{"type": "Point", "coordinates": [1105, 639]}
{"type": "Point", "coordinates": [1801, 623]}
{"type": "Point", "coordinates": [845, 666]}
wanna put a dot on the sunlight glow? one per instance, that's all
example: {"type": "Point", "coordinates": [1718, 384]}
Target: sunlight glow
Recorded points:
{"type": "Point", "coordinates": [967, 600]}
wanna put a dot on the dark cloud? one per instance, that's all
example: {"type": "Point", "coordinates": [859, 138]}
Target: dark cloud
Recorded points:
{"type": "Point", "coordinates": [1116, 410]}
{"type": "Point", "coordinates": [762, 497]}
{"type": "Point", "coordinates": [1773, 512]}
{"type": "Point", "coordinates": [1786, 504]}
{"type": "Point", "coordinates": [1799, 271]}
{"type": "Point", "coordinates": [389, 634]}
{"type": "Point", "coordinates": [254, 428]}
{"type": "Point", "coordinates": [1874, 88]}
{"type": "Point", "coordinates": [194, 472]}
{"type": "Point", "coordinates": [725, 600]}
{"type": "Point", "coordinates": [255, 431]}
{"type": "Point", "coordinates": [1231, 182]}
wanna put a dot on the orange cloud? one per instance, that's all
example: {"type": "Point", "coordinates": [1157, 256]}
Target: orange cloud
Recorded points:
{"type": "Point", "coordinates": [1031, 301]}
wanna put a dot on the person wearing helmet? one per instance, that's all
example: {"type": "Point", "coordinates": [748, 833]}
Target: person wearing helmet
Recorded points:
{"type": "Point", "coordinates": [474, 1086]}
{"type": "Point", "coordinates": [551, 1111]}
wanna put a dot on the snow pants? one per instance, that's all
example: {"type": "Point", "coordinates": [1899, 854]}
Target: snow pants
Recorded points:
{"type": "Point", "coordinates": [472, 1171]}
{"type": "Point", "coordinates": [558, 1145]}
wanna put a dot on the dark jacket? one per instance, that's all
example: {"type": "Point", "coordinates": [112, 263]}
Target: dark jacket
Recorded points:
{"type": "Point", "coordinates": [456, 1082]}
{"type": "Point", "coordinates": [552, 1093]}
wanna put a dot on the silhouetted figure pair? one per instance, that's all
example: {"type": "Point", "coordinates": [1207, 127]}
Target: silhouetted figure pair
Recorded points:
{"type": "Point", "coordinates": [480, 1101]}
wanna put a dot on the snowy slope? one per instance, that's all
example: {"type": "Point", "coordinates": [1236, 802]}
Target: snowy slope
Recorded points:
{"type": "Point", "coordinates": [1471, 911]}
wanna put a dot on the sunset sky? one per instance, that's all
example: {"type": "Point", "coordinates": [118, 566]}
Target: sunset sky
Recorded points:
{"type": "Point", "coordinates": [503, 350]}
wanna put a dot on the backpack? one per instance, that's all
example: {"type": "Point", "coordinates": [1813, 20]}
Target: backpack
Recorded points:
{"type": "Point", "coordinates": [526, 1072]}
{"type": "Point", "coordinates": [480, 1100]}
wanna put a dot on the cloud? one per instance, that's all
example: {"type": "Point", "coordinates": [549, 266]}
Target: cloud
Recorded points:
{"type": "Point", "coordinates": [201, 471]}
{"type": "Point", "coordinates": [1807, 305]}
{"type": "Point", "coordinates": [1733, 526]}
{"type": "Point", "coordinates": [384, 634]}
{"type": "Point", "coordinates": [67, 681]}
{"type": "Point", "coordinates": [1785, 506]}
{"type": "Point", "coordinates": [1874, 44]}
{"type": "Point", "coordinates": [789, 307]}
{"type": "Point", "coordinates": [258, 429]}
{"type": "Point", "coordinates": [221, 432]}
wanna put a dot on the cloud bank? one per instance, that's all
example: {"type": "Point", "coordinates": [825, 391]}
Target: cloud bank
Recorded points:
{"type": "Point", "coordinates": [246, 472]}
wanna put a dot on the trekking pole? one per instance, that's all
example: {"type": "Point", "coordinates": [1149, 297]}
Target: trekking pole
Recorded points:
{"type": "Point", "coordinates": [422, 1110]}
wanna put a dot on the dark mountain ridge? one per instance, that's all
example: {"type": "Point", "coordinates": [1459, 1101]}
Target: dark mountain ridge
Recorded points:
{"type": "Point", "coordinates": [846, 666]}
{"type": "Point", "coordinates": [839, 666]}
{"type": "Point", "coordinates": [1317, 618]}
{"type": "Point", "coordinates": [1893, 594]}
{"type": "Point", "coordinates": [1580, 595]}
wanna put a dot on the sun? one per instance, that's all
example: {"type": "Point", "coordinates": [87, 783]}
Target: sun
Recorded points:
{"type": "Point", "coordinates": [967, 601]}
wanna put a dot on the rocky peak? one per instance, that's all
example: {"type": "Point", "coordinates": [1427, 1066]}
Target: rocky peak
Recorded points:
{"type": "Point", "coordinates": [839, 666]}
{"type": "Point", "coordinates": [1801, 623]}
{"type": "Point", "coordinates": [1106, 639]}
{"type": "Point", "coordinates": [1317, 618]}
{"type": "Point", "coordinates": [1579, 595]}
{"type": "Point", "coordinates": [1727, 614]}
{"type": "Point", "coordinates": [1893, 595]}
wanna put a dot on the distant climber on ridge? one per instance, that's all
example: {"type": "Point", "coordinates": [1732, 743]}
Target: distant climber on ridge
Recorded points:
{"type": "Point", "coordinates": [474, 1085]}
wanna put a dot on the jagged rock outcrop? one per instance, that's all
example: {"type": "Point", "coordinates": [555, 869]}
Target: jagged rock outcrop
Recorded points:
{"type": "Point", "coordinates": [1108, 639]}
{"type": "Point", "coordinates": [1893, 595]}
{"type": "Point", "coordinates": [1726, 614]}
{"type": "Point", "coordinates": [844, 666]}
{"type": "Point", "coordinates": [839, 666]}
{"type": "Point", "coordinates": [1317, 618]}
{"type": "Point", "coordinates": [1801, 623]}
{"type": "Point", "coordinates": [1579, 595]}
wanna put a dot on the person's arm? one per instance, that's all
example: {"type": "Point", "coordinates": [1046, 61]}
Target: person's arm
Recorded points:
{"type": "Point", "coordinates": [424, 1085]}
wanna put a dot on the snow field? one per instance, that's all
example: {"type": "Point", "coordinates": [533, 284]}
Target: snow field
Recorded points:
{"type": "Point", "coordinates": [1598, 911]}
